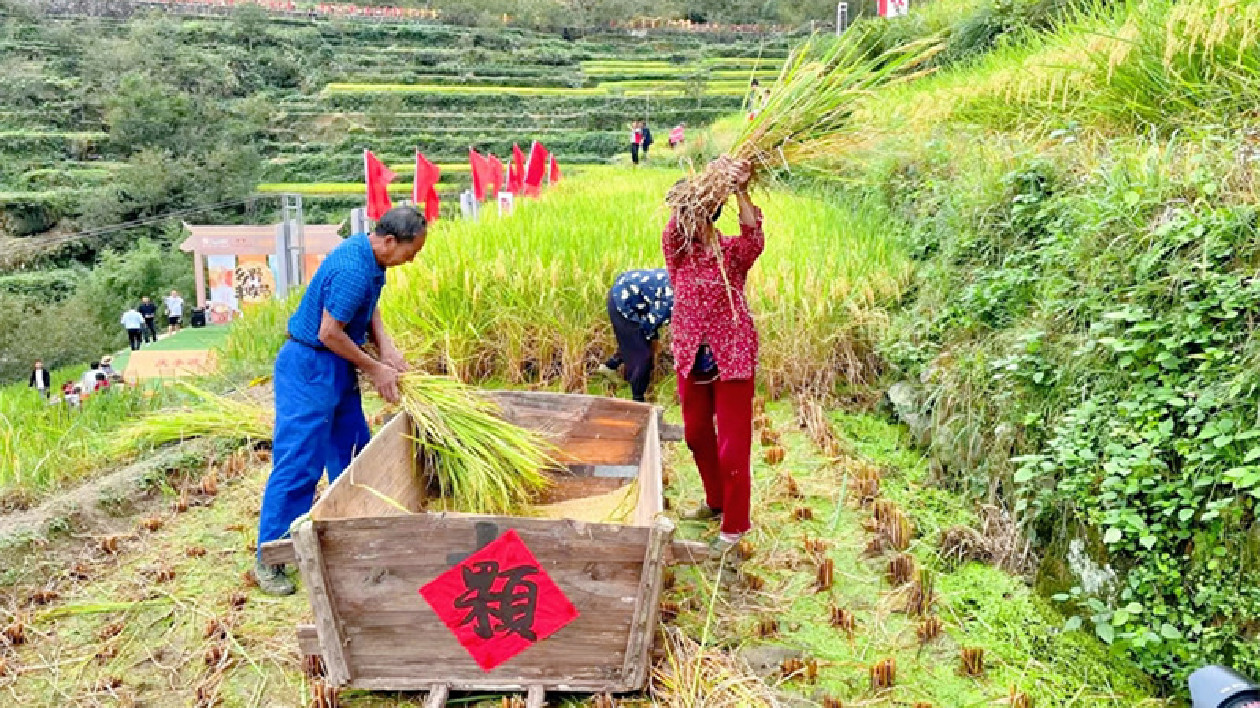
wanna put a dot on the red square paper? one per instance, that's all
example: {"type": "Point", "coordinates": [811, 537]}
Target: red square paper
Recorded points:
{"type": "Point", "coordinates": [498, 602]}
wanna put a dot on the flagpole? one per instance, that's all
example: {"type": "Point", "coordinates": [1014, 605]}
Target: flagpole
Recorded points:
{"type": "Point", "coordinates": [367, 184]}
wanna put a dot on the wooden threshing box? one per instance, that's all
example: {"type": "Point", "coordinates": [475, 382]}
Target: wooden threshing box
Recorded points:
{"type": "Point", "coordinates": [363, 559]}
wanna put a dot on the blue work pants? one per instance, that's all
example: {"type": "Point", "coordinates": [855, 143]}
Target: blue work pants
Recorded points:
{"type": "Point", "coordinates": [319, 426]}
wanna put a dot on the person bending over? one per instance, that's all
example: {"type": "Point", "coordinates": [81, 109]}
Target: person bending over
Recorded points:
{"type": "Point", "coordinates": [640, 303]}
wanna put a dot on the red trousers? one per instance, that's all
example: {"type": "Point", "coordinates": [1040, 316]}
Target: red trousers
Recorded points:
{"type": "Point", "coordinates": [717, 424]}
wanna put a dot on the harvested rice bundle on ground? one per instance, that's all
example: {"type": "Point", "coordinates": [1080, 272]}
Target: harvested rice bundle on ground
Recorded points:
{"type": "Point", "coordinates": [478, 461]}
{"type": "Point", "coordinates": [207, 416]}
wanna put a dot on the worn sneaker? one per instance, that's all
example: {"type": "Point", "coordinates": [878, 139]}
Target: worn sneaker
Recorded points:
{"type": "Point", "coordinates": [273, 580]}
{"type": "Point", "coordinates": [702, 513]}
{"type": "Point", "coordinates": [725, 546]}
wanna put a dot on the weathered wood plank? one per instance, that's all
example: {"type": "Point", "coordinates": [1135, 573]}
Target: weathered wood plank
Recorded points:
{"type": "Point", "coordinates": [437, 696]}
{"type": "Point", "coordinates": [311, 567]}
{"type": "Point", "coordinates": [651, 488]}
{"type": "Point", "coordinates": [671, 433]}
{"type": "Point", "coordinates": [592, 632]}
{"type": "Point", "coordinates": [410, 683]}
{"type": "Point", "coordinates": [554, 668]}
{"type": "Point", "coordinates": [386, 465]}
{"type": "Point", "coordinates": [278, 552]}
{"type": "Point", "coordinates": [639, 644]}
{"type": "Point", "coordinates": [308, 640]}
{"type": "Point", "coordinates": [687, 553]}
{"type": "Point", "coordinates": [442, 533]}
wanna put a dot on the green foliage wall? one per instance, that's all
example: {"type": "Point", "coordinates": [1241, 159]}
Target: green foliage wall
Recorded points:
{"type": "Point", "coordinates": [1086, 339]}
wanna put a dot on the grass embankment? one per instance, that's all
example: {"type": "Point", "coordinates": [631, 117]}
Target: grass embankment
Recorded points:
{"type": "Point", "coordinates": [1082, 205]}
{"type": "Point", "coordinates": [523, 298]}
{"type": "Point", "coordinates": [167, 616]}
{"type": "Point", "coordinates": [44, 447]}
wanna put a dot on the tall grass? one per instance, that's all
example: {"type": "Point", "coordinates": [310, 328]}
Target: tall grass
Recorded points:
{"type": "Point", "coordinates": [522, 298]}
{"type": "Point", "coordinates": [1107, 67]}
{"type": "Point", "coordinates": [43, 446]}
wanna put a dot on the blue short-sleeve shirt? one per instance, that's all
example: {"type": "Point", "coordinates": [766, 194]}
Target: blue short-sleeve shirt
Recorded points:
{"type": "Point", "coordinates": [347, 284]}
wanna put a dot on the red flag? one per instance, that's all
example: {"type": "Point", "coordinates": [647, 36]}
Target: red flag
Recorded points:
{"type": "Point", "coordinates": [378, 177]}
{"type": "Point", "coordinates": [424, 191]}
{"type": "Point", "coordinates": [499, 601]}
{"type": "Point", "coordinates": [536, 169]}
{"type": "Point", "coordinates": [483, 175]}
{"type": "Point", "coordinates": [555, 171]}
{"type": "Point", "coordinates": [516, 172]}
{"type": "Point", "coordinates": [494, 169]}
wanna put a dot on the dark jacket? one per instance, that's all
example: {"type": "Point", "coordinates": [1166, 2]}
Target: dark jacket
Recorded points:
{"type": "Point", "coordinates": [647, 135]}
{"type": "Point", "coordinates": [47, 378]}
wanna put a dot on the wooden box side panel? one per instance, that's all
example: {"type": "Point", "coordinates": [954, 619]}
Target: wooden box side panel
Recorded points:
{"type": "Point", "coordinates": [651, 485]}
{"type": "Point", "coordinates": [380, 479]}
{"type": "Point", "coordinates": [586, 429]}
{"type": "Point", "coordinates": [376, 567]}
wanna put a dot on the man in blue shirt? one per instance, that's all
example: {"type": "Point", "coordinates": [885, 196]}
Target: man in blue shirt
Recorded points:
{"type": "Point", "coordinates": [319, 416]}
{"type": "Point", "coordinates": [639, 304]}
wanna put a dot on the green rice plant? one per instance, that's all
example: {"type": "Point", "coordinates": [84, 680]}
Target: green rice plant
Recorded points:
{"type": "Point", "coordinates": [479, 462]}
{"type": "Point", "coordinates": [333, 89]}
{"type": "Point", "coordinates": [521, 298]}
{"type": "Point", "coordinates": [1108, 68]}
{"type": "Point", "coordinates": [203, 415]}
{"type": "Point", "coordinates": [328, 188]}
{"type": "Point", "coordinates": [250, 348]}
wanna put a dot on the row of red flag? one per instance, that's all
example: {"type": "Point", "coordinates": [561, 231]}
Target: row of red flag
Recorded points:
{"type": "Point", "coordinates": [524, 178]}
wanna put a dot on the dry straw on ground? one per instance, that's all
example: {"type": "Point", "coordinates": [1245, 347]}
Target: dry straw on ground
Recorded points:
{"type": "Point", "coordinates": [693, 676]}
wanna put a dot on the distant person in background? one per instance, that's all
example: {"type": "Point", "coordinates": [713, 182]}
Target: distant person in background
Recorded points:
{"type": "Point", "coordinates": [646, 133]}
{"type": "Point", "coordinates": [70, 392]}
{"type": "Point", "coordinates": [133, 321]}
{"type": "Point", "coordinates": [88, 383]}
{"type": "Point", "coordinates": [677, 135]}
{"type": "Point", "coordinates": [41, 380]}
{"type": "Point", "coordinates": [636, 141]}
{"type": "Point", "coordinates": [107, 368]}
{"type": "Point", "coordinates": [174, 311]}
{"type": "Point", "coordinates": [149, 310]}
{"type": "Point", "coordinates": [640, 303]}
{"type": "Point", "coordinates": [757, 99]}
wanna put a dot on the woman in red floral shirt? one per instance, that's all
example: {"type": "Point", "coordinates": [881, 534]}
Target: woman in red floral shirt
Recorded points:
{"type": "Point", "coordinates": [715, 351]}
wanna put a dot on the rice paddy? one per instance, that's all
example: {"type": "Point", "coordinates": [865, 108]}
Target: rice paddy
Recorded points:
{"type": "Point", "coordinates": [632, 88]}
{"type": "Point", "coordinates": [522, 298]}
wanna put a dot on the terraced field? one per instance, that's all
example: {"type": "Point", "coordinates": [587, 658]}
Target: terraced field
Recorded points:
{"type": "Point", "coordinates": [320, 91]}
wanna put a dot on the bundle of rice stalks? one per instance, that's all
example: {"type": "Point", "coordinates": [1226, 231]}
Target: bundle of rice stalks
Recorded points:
{"type": "Point", "coordinates": [971, 662]}
{"type": "Point", "coordinates": [804, 117]}
{"type": "Point", "coordinates": [206, 415]}
{"type": "Point", "coordinates": [479, 462]}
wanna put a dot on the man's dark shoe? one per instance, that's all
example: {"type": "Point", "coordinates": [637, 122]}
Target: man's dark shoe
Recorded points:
{"type": "Point", "coordinates": [272, 579]}
{"type": "Point", "coordinates": [702, 513]}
